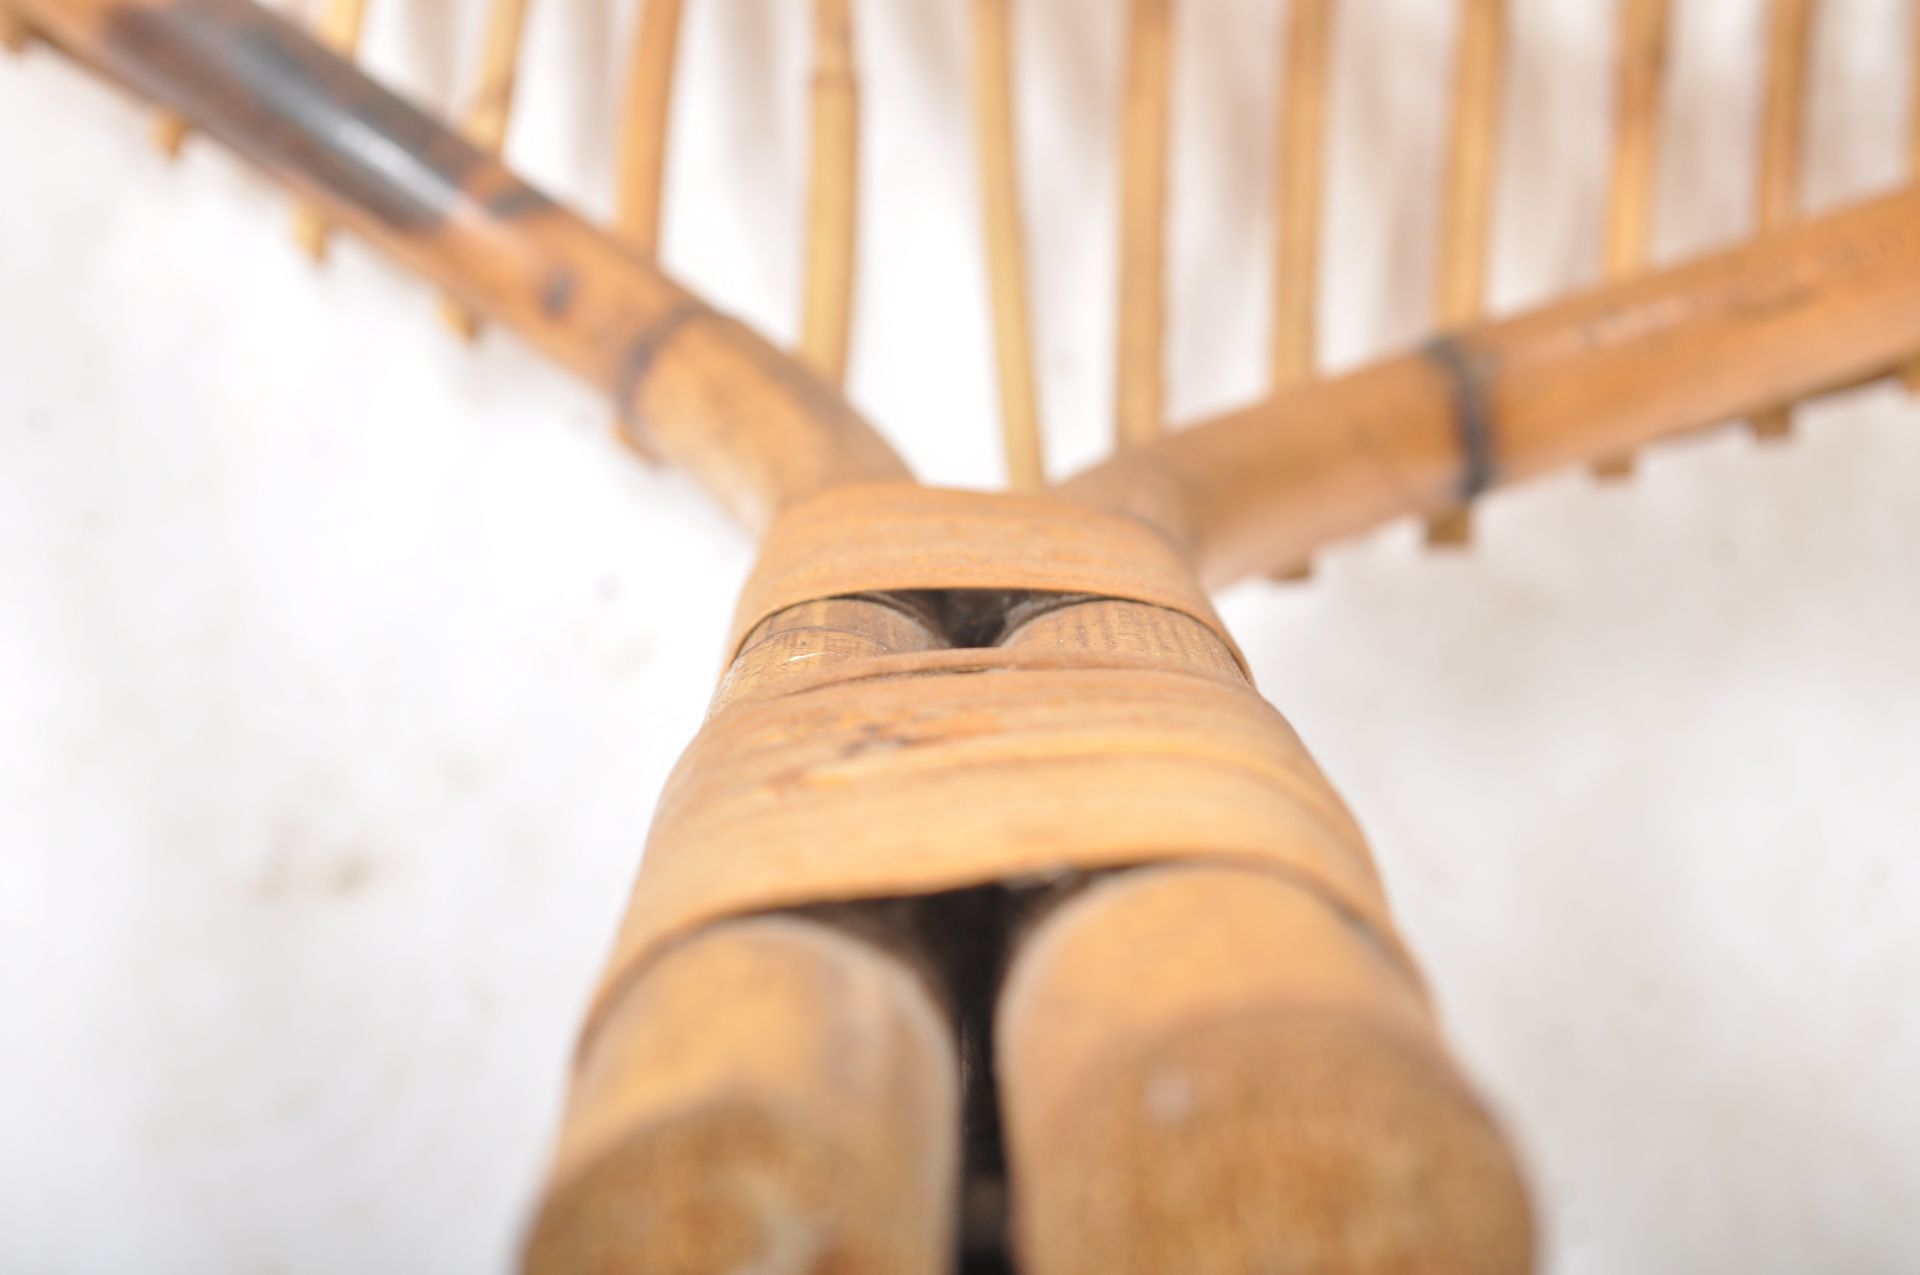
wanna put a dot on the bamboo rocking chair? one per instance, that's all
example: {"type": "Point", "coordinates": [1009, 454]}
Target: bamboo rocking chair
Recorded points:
{"type": "Point", "coordinates": [992, 919]}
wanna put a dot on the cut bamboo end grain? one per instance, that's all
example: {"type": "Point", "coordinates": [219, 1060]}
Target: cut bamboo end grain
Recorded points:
{"type": "Point", "coordinates": [15, 35]}
{"type": "Point", "coordinates": [771, 1095]}
{"type": "Point", "coordinates": [459, 320]}
{"type": "Point", "coordinates": [1210, 1070]}
{"type": "Point", "coordinates": [1452, 529]}
{"type": "Point", "coordinates": [170, 134]}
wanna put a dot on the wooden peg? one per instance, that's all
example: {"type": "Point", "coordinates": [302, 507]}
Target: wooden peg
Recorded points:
{"type": "Point", "coordinates": [1640, 60]}
{"type": "Point", "coordinates": [1782, 148]}
{"type": "Point", "coordinates": [993, 105]}
{"type": "Point", "coordinates": [1466, 230]}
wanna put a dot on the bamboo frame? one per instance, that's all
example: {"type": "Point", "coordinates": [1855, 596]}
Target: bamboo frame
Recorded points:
{"type": "Point", "coordinates": [1209, 873]}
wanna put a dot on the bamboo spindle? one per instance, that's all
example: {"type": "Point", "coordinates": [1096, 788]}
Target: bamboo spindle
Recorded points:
{"type": "Point", "coordinates": [1299, 193]}
{"type": "Point", "coordinates": [488, 114]}
{"type": "Point", "coordinates": [640, 168]}
{"type": "Point", "coordinates": [1641, 59]}
{"type": "Point", "coordinates": [1472, 156]}
{"type": "Point", "coordinates": [1782, 146]}
{"type": "Point", "coordinates": [339, 29]}
{"type": "Point", "coordinates": [744, 419]}
{"type": "Point", "coordinates": [1145, 117]}
{"type": "Point", "coordinates": [1214, 1071]}
{"type": "Point", "coordinates": [993, 106]}
{"type": "Point", "coordinates": [832, 206]}
{"type": "Point", "coordinates": [1299, 200]}
{"type": "Point", "coordinates": [1824, 304]}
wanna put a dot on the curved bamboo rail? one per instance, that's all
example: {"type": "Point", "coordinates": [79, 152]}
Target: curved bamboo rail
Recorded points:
{"type": "Point", "coordinates": [1821, 305]}
{"type": "Point", "coordinates": [747, 421]}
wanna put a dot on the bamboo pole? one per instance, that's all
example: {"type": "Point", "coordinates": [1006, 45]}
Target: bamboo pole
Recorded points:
{"type": "Point", "coordinates": [1145, 113]}
{"type": "Point", "coordinates": [832, 206]}
{"type": "Point", "coordinates": [1467, 225]}
{"type": "Point", "coordinates": [1821, 305]}
{"type": "Point", "coordinates": [338, 28]}
{"type": "Point", "coordinates": [994, 128]}
{"type": "Point", "coordinates": [488, 113]}
{"type": "Point", "coordinates": [745, 420]}
{"type": "Point", "coordinates": [1641, 61]}
{"type": "Point", "coordinates": [646, 109]}
{"type": "Point", "coordinates": [1299, 193]}
{"type": "Point", "coordinates": [773, 1094]}
{"type": "Point", "coordinates": [1782, 145]}
{"type": "Point", "coordinates": [1212, 1070]}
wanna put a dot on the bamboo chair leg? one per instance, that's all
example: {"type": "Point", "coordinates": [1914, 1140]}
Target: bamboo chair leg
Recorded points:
{"type": "Point", "coordinates": [1299, 199]}
{"type": "Point", "coordinates": [1641, 59]}
{"type": "Point", "coordinates": [1146, 107]}
{"type": "Point", "coordinates": [771, 1095]}
{"type": "Point", "coordinates": [993, 84]}
{"type": "Point", "coordinates": [1472, 152]}
{"type": "Point", "coordinates": [1789, 34]}
{"type": "Point", "coordinates": [339, 29]}
{"type": "Point", "coordinates": [1210, 1071]}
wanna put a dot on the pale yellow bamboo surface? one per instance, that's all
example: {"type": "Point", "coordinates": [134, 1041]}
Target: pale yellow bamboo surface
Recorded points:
{"type": "Point", "coordinates": [489, 111]}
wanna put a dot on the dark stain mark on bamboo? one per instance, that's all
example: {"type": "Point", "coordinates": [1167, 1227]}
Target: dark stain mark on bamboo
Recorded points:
{"type": "Point", "coordinates": [644, 350]}
{"type": "Point", "coordinates": [1472, 415]}
{"type": "Point", "coordinates": [556, 294]}
{"type": "Point", "coordinates": [277, 96]}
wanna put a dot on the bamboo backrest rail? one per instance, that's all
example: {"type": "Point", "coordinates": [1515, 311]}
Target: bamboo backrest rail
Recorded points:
{"type": "Point", "coordinates": [1134, 1001]}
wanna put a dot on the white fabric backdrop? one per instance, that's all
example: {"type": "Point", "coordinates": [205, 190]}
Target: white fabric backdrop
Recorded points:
{"type": "Point", "coordinates": [339, 664]}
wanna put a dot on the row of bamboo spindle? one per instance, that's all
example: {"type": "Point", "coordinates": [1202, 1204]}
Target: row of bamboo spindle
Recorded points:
{"type": "Point", "coordinates": [1466, 208]}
